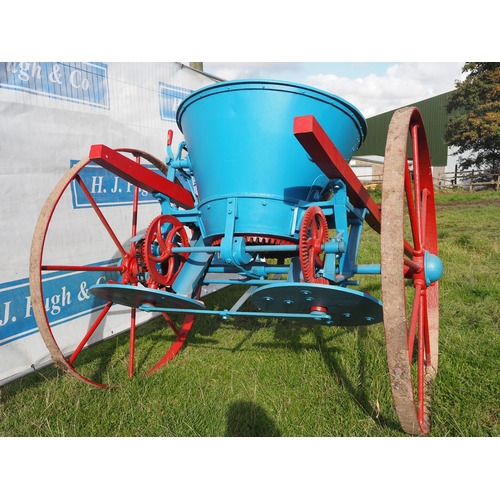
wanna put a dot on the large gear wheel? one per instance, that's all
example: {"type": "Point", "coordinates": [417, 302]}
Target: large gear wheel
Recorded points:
{"type": "Point", "coordinates": [164, 233]}
{"type": "Point", "coordinates": [313, 234]}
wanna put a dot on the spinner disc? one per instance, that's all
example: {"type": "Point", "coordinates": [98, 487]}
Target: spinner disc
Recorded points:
{"type": "Point", "coordinates": [345, 307]}
{"type": "Point", "coordinates": [136, 296]}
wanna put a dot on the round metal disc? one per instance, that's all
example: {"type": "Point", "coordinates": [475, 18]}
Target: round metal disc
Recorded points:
{"type": "Point", "coordinates": [136, 296]}
{"type": "Point", "coordinates": [345, 307]}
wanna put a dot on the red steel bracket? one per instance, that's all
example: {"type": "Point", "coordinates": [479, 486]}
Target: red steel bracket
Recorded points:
{"type": "Point", "coordinates": [325, 154]}
{"type": "Point", "coordinates": [140, 176]}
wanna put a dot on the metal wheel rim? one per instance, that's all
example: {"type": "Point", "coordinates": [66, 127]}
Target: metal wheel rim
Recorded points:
{"type": "Point", "coordinates": [411, 397]}
{"type": "Point", "coordinates": [61, 360]}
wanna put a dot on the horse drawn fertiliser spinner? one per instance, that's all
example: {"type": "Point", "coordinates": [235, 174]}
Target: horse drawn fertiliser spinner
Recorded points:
{"type": "Point", "coordinates": [261, 194]}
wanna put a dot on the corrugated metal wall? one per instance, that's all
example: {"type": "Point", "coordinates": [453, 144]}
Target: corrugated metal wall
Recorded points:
{"type": "Point", "coordinates": [435, 118]}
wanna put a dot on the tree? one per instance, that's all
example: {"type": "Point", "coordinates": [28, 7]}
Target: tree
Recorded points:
{"type": "Point", "coordinates": [474, 123]}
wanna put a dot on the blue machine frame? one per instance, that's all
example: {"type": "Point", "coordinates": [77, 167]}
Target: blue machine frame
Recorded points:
{"type": "Point", "coordinates": [252, 183]}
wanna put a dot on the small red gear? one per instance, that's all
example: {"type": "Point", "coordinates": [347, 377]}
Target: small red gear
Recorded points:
{"type": "Point", "coordinates": [162, 263]}
{"type": "Point", "coordinates": [313, 234]}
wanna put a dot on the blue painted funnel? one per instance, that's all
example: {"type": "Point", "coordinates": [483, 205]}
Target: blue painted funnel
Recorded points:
{"type": "Point", "coordinates": [239, 135]}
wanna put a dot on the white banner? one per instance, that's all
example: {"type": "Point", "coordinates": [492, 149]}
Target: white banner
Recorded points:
{"type": "Point", "coordinates": [52, 112]}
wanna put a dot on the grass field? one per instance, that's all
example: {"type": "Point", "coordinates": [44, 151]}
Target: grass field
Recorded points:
{"type": "Point", "coordinates": [258, 377]}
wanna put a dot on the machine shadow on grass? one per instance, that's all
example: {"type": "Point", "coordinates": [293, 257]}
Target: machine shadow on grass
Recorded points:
{"type": "Point", "coordinates": [358, 393]}
{"type": "Point", "coordinates": [290, 335]}
{"type": "Point", "coordinates": [244, 418]}
{"type": "Point", "coordinates": [247, 419]}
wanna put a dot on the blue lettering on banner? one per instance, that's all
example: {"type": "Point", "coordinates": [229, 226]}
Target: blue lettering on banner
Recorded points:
{"type": "Point", "coordinates": [66, 297]}
{"type": "Point", "coordinates": [81, 82]}
{"type": "Point", "coordinates": [170, 98]}
{"type": "Point", "coordinates": [106, 188]}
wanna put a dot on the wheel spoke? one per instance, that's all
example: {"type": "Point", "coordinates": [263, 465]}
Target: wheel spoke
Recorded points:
{"type": "Point", "coordinates": [412, 330]}
{"type": "Point", "coordinates": [89, 334]}
{"type": "Point", "coordinates": [408, 249]}
{"type": "Point", "coordinates": [101, 216]}
{"type": "Point", "coordinates": [423, 226]}
{"type": "Point", "coordinates": [132, 342]}
{"type": "Point", "coordinates": [417, 180]}
{"type": "Point", "coordinates": [171, 324]}
{"type": "Point", "coordinates": [135, 206]}
{"type": "Point", "coordinates": [411, 207]}
{"type": "Point", "coordinates": [133, 310]}
{"type": "Point", "coordinates": [422, 334]}
{"type": "Point", "coordinates": [413, 267]}
{"type": "Point", "coordinates": [426, 331]}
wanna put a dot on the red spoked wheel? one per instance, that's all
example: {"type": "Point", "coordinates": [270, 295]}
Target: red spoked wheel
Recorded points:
{"type": "Point", "coordinates": [410, 270]}
{"type": "Point", "coordinates": [163, 234]}
{"type": "Point", "coordinates": [313, 235]}
{"type": "Point", "coordinates": [69, 254]}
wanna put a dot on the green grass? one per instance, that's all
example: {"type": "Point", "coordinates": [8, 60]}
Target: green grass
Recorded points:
{"type": "Point", "coordinates": [259, 377]}
{"type": "Point", "coordinates": [467, 395]}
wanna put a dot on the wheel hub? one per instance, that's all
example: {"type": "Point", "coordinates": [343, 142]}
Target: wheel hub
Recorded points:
{"type": "Point", "coordinates": [433, 267]}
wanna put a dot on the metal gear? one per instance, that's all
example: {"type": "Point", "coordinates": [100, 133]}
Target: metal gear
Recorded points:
{"type": "Point", "coordinates": [259, 240]}
{"type": "Point", "coordinates": [161, 262]}
{"type": "Point", "coordinates": [313, 234]}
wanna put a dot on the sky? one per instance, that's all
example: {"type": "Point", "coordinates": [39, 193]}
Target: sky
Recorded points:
{"type": "Point", "coordinates": [263, 30]}
{"type": "Point", "coordinates": [372, 87]}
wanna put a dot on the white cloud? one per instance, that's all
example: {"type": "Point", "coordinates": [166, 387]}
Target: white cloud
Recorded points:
{"type": "Point", "coordinates": [403, 83]}
{"type": "Point", "coordinates": [250, 70]}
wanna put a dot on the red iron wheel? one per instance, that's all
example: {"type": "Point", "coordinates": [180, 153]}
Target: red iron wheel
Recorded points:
{"type": "Point", "coordinates": [410, 300]}
{"type": "Point", "coordinates": [313, 234]}
{"type": "Point", "coordinates": [65, 245]}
